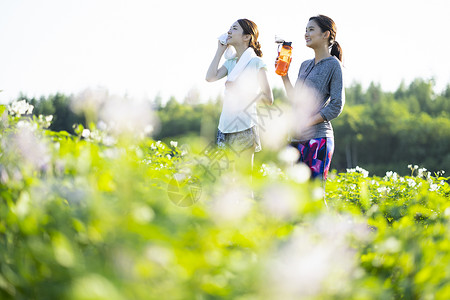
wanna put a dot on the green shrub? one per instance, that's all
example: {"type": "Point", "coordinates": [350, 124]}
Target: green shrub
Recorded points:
{"type": "Point", "coordinates": [103, 215]}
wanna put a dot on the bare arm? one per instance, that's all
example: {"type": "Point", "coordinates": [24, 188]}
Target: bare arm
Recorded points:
{"type": "Point", "coordinates": [313, 120]}
{"type": "Point", "coordinates": [266, 90]}
{"type": "Point", "coordinates": [316, 119]}
{"type": "Point", "coordinates": [288, 86]}
{"type": "Point", "coordinates": [214, 72]}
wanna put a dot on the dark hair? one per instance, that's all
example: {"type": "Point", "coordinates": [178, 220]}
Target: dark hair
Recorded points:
{"type": "Point", "coordinates": [327, 24]}
{"type": "Point", "coordinates": [249, 27]}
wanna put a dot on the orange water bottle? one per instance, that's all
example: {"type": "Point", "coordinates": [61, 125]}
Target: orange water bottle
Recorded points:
{"type": "Point", "coordinates": [284, 58]}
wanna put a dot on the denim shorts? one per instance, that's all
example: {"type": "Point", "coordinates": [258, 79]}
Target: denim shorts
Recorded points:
{"type": "Point", "coordinates": [239, 141]}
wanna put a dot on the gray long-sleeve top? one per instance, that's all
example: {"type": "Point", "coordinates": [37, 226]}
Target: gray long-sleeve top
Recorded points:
{"type": "Point", "coordinates": [326, 85]}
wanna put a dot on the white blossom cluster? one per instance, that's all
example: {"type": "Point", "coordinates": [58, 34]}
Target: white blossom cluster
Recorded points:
{"type": "Point", "coordinates": [20, 108]}
{"type": "Point", "coordinates": [271, 170]}
{"type": "Point", "coordinates": [118, 116]}
{"type": "Point", "coordinates": [98, 135]}
{"type": "Point", "coordinates": [317, 259]}
{"type": "Point", "coordinates": [390, 175]}
{"type": "Point", "coordinates": [45, 121]}
{"type": "Point", "coordinates": [358, 169]}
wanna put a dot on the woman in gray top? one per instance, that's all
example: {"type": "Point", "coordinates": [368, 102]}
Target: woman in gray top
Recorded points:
{"type": "Point", "coordinates": [318, 97]}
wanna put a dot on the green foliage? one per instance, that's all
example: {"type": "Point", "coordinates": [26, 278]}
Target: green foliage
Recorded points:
{"type": "Point", "coordinates": [82, 218]}
{"type": "Point", "coordinates": [178, 119]}
{"type": "Point", "coordinates": [384, 131]}
{"type": "Point", "coordinates": [378, 130]}
{"type": "Point", "coordinates": [408, 256]}
{"type": "Point", "coordinates": [57, 105]}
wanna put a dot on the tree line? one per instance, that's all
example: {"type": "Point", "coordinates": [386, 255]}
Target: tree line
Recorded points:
{"type": "Point", "coordinates": [387, 131]}
{"type": "Point", "coordinates": [378, 130]}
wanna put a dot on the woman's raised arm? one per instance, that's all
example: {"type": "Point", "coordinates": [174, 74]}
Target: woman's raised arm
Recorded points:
{"type": "Point", "coordinates": [214, 72]}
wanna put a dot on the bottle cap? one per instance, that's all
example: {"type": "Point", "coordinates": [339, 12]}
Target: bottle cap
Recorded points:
{"type": "Point", "coordinates": [279, 39]}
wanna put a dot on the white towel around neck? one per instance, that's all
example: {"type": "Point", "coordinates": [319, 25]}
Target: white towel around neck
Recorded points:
{"type": "Point", "coordinates": [230, 52]}
{"type": "Point", "coordinates": [243, 61]}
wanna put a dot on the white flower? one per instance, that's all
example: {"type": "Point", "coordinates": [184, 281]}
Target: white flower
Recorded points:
{"type": "Point", "coordinates": [102, 125]}
{"type": "Point", "coordinates": [263, 170]}
{"type": "Point", "coordinates": [411, 182]}
{"type": "Point", "coordinates": [20, 108]}
{"type": "Point", "coordinates": [45, 121]}
{"type": "Point", "coordinates": [318, 193]}
{"type": "Point", "coordinates": [86, 133]}
{"type": "Point", "coordinates": [447, 212]}
{"type": "Point", "coordinates": [422, 172]}
{"type": "Point", "coordinates": [173, 144]}
{"type": "Point", "coordinates": [275, 121]}
{"type": "Point", "coordinates": [184, 149]}
{"type": "Point", "coordinates": [381, 189]}
{"type": "Point", "coordinates": [384, 189]}
{"type": "Point", "coordinates": [433, 187]}
{"type": "Point", "coordinates": [90, 101]}
{"type": "Point", "coordinates": [300, 172]}
{"type": "Point", "coordinates": [391, 175]}
{"type": "Point", "coordinates": [280, 201]}
{"type": "Point", "coordinates": [124, 116]}
{"type": "Point", "coordinates": [362, 171]}
{"type": "Point", "coordinates": [25, 124]}
{"type": "Point", "coordinates": [271, 170]}
{"type": "Point", "coordinates": [161, 255]}
{"type": "Point", "coordinates": [142, 214]}
{"type": "Point", "coordinates": [118, 115]}
{"type": "Point", "coordinates": [31, 147]}
{"type": "Point", "coordinates": [109, 140]}
{"type": "Point", "coordinates": [306, 263]}
{"type": "Point", "coordinates": [289, 155]}
{"type": "Point", "coordinates": [391, 245]}
{"type": "Point", "coordinates": [149, 129]}
{"type": "Point", "coordinates": [231, 205]}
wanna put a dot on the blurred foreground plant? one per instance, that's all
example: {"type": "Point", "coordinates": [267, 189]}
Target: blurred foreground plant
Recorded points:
{"type": "Point", "coordinates": [92, 216]}
{"type": "Point", "coordinates": [409, 256]}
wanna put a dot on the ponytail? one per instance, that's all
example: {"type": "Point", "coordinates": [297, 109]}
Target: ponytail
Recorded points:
{"type": "Point", "coordinates": [249, 27]}
{"type": "Point", "coordinates": [327, 24]}
{"type": "Point", "coordinates": [336, 50]}
{"type": "Point", "coordinates": [257, 47]}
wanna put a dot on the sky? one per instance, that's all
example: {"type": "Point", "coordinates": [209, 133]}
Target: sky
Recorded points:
{"type": "Point", "coordinates": [143, 49]}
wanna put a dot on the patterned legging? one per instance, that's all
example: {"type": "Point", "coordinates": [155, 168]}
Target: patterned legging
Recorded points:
{"type": "Point", "coordinates": [317, 154]}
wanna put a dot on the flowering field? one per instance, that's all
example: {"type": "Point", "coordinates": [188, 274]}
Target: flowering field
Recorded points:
{"type": "Point", "coordinates": [111, 214]}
